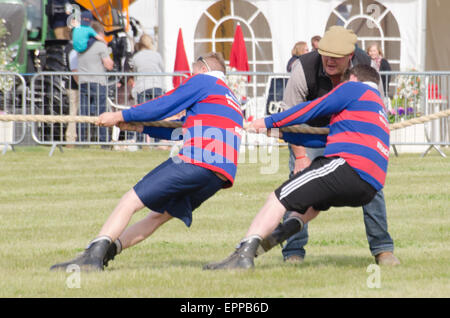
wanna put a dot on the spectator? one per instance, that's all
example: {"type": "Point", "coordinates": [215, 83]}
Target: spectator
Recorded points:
{"type": "Point", "coordinates": [84, 35]}
{"type": "Point", "coordinates": [96, 59]}
{"type": "Point", "coordinates": [315, 42]}
{"type": "Point", "coordinates": [147, 60]}
{"type": "Point", "coordinates": [299, 48]}
{"type": "Point", "coordinates": [58, 21]}
{"type": "Point", "coordinates": [380, 64]}
{"type": "Point", "coordinates": [74, 98]}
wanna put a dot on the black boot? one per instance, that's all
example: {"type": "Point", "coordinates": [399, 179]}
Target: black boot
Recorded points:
{"type": "Point", "coordinates": [114, 249]}
{"type": "Point", "coordinates": [282, 232]}
{"type": "Point", "coordinates": [91, 259]}
{"type": "Point", "coordinates": [241, 258]}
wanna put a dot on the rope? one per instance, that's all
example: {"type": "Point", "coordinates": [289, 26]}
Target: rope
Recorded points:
{"type": "Point", "coordinates": [305, 129]}
{"type": "Point", "coordinates": [420, 120]}
{"type": "Point", "coordinates": [56, 119]}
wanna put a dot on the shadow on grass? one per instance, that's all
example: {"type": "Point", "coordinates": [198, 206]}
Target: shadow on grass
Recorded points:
{"type": "Point", "coordinates": [349, 261]}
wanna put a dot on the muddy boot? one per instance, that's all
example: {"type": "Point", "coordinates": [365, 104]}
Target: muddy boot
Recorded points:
{"type": "Point", "coordinates": [91, 259]}
{"type": "Point", "coordinates": [281, 233]}
{"type": "Point", "coordinates": [241, 258]}
{"type": "Point", "coordinates": [113, 250]}
{"type": "Point", "coordinates": [387, 259]}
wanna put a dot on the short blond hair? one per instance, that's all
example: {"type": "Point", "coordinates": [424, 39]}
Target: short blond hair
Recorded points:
{"type": "Point", "coordinates": [146, 42]}
{"type": "Point", "coordinates": [215, 61]}
{"type": "Point", "coordinates": [299, 48]}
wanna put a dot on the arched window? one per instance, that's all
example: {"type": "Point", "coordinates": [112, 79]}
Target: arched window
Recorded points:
{"type": "Point", "coordinates": [373, 23]}
{"type": "Point", "coordinates": [215, 32]}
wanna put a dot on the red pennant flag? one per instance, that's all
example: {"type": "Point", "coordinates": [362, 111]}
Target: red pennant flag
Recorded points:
{"type": "Point", "coordinates": [238, 55]}
{"type": "Point", "coordinates": [181, 61]}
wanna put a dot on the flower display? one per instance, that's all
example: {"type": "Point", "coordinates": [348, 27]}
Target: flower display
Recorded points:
{"type": "Point", "coordinates": [401, 113]}
{"type": "Point", "coordinates": [237, 84]}
{"type": "Point", "coordinates": [406, 101]}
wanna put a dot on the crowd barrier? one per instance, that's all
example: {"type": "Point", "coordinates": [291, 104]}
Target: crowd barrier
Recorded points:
{"type": "Point", "coordinates": [60, 94]}
{"type": "Point", "coordinates": [407, 95]}
{"type": "Point", "coordinates": [13, 92]}
{"type": "Point", "coordinates": [415, 94]}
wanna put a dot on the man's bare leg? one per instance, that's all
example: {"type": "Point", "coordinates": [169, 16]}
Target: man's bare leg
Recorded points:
{"type": "Point", "coordinates": [136, 233]}
{"type": "Point", "coordinates": [262, 226]}
{"type": "Point", "coordinates": [143, 229]}
{"type": "Point", "coordinates": [271, 214]}
{"type": "Point", "coordinates": [121, 216]}
{"type": "Point", "coordinates": [95, 253]}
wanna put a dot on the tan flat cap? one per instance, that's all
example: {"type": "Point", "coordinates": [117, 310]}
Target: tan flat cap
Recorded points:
{"type": "Point", "coordinates": [337, 42]}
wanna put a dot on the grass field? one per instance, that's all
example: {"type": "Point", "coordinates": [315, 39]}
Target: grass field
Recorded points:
{"type": "Point", "coordinates": [51, 207]}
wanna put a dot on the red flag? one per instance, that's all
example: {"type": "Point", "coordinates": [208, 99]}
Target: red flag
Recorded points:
{"type": "Point", "coordinates": [181, 61]}
{"type": "Point", "coordinates": [238, 55]}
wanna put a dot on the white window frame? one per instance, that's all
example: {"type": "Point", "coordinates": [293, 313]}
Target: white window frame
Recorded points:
{"type": "Point", "coordinates": [258, 80]}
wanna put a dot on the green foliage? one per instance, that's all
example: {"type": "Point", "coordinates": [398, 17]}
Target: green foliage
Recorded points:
{"type": "Point", "coordinates": [407, 99]}
{"type": "Point", "coordinates": [6, 82]}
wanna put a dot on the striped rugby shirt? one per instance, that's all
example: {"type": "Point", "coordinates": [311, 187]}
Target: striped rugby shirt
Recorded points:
{"type": "Point", "coordinates": [212, 125]}
{"type": "Point", "coordinates": [359, 130]}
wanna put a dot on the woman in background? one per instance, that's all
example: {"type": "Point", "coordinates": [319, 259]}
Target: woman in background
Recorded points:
{"type": "Point", "coordinates": [300, 48]}
{"type": "Point", "coordinates": [380, 64]}
{"type": "Point", "coordinates": [147, 60]}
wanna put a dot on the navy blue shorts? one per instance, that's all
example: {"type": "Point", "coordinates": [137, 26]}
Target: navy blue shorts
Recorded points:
{"type": "Point", "coordinates": [178, 188]}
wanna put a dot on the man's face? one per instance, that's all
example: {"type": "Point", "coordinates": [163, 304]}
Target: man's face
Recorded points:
{"type": "Point", "coordinates": [315, 45]}
{"type": "Point", "coordinates": [336, 65]}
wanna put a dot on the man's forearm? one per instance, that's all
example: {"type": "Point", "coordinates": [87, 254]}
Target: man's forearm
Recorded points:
{"type": "Point", "coordinates": [110, 119]}
{"type": "Point", "coordinates": [299, 151]}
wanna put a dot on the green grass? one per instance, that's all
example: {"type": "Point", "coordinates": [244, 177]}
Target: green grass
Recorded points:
{"type": "Point", "coordinates": [51, 207]}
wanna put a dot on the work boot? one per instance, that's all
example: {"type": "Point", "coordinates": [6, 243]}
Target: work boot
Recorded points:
{"type": "Point", "coordinates": [294, 259]}
{"type": "Point", "coordinates": [91, 259]}
{"type": "Point", "coordinates": [113, 250]}
{"type": "Point", "coordinates": [241, 258]}
{"type": "Point", "coordinates": [387, 258]}
{"type": "Point", "coordinates": [281, 233]}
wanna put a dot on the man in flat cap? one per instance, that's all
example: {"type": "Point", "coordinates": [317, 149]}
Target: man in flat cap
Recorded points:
{"type": "Point", "coordinates": [314, 75]}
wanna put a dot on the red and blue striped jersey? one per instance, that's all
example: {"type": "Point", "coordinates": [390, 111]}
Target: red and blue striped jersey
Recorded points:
{"type": "Point", "coordinates": [212, 126]}
{"type": "Point", "coordinates": [359, 129]}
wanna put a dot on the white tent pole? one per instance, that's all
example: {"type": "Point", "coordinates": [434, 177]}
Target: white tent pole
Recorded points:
{"type": "Point", "coordinates": [423, 35]}
{"type": "Point", "coordinates": [161, 30]}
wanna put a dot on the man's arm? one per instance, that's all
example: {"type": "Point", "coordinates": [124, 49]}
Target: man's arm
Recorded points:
{"type": "Point", "coordinates": [305, 140]}
{"type": "Point", "coordinates": [173, 102]}
{"type": "Point", "coordinates": [329, 104]}
{"type": "Point", "coordinates": [296, 89]}
{"type": "Point", "coordinates": [108, 63]}
{"type": "Point", "coordinates": [155, 132]}
{"type": "Point", "coordinates": [100, 38]}
{"type": "Point", "coordinates": [296, 92]}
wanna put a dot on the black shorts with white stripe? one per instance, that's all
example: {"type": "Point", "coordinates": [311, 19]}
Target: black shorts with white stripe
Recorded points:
{"type": "Point", "coordinates": [325, 183]}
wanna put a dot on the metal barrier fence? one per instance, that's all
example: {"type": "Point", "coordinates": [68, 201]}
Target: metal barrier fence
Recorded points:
{"type": "Point", "coordinates": [408, 95]}
{"type": "Point", "coordinates": [413, 94]}
{"type": "Point", "coordinates": [60, 94]}
{"type": "Point", "coordinates": [13, 92]}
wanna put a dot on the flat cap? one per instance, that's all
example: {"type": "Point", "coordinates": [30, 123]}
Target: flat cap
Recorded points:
{"type": "Point", "coordinates": [338, 42]}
